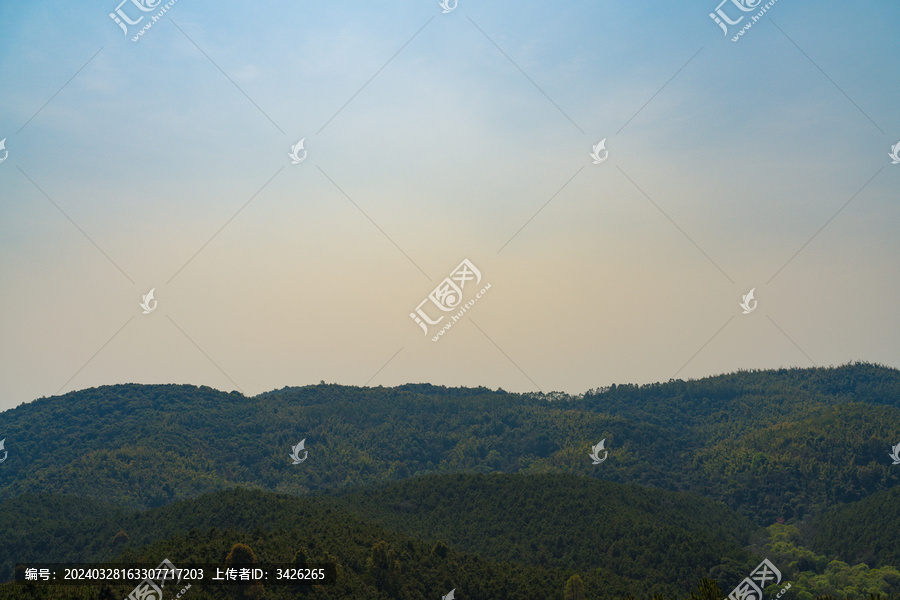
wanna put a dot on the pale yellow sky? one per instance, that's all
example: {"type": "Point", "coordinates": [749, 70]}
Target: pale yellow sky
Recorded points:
{"type": "Point", "coordinates": [431, 139]}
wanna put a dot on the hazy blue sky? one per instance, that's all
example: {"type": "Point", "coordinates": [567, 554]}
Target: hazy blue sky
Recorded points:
{"type": "Point", "coordinates": [433, 138]}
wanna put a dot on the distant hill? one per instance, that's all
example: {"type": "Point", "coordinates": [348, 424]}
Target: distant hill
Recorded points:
{"type": "Point", "coordinates": [786, 443]}
{"type": "Point", "coordinates": [834, 454]}
{"type": "Point", "coordinates": [420, 488]}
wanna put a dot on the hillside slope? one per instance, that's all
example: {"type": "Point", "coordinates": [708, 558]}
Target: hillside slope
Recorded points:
{"type": "Point", "coordinates": [770, 444]}
{"type": "Point", "coordinates": [375, 562]}
{"type": "Point", "coordinates": [867, 531]}
{"type": "Point", "coordinates": [561, 520]}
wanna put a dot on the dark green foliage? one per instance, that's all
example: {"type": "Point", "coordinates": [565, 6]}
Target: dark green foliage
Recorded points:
{"type": "Point", "coordinates": [544, 519]}
{"type": "Point", "coordinates": [770, 444]}
{"type": "Point", "coordinates": [659, 540]}
{"type": "Point", "coordinates": [106, 593]}
{"type": "Point", "coordinates": [243, 555]}
{"type": "Point", "coordinates": [240, 554]}
{"type": "Point", "coordinates": [383, 568]}
{"type": "Point", "coordinates": [864, 532]}
{"type": "Point", "coordinates": [789, 444]}
{"type": "Point", "coordinates": [832, 455]}
{"type": "Point", "coordinates": [372, 562]}
{"type": "Point", "coordinates": [300, 557]}
{"type": "Point", "coordinates": [120, 539]}
{"type": "Point", "coordinates": [574, 589]}
{"type": "Point", "coordinates": [707, 589]}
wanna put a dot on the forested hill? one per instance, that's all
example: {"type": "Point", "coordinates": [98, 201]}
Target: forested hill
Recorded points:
{"type": "Point", "coordinates": [770, 444]}
{"type": "Point", "coordinates": [640, 541]}
{"type": "Point", "coordinates": [867, 531]}
{"type": "Point", "coordinates": [561, 520]}
{"type": "Point", "coordinates": [726, 404]}
{"type": "Point", "coordinates": [515, 536]}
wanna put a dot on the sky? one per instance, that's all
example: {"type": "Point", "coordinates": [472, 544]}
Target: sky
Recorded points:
{"type": "Point", "coordinates": [169, 161]}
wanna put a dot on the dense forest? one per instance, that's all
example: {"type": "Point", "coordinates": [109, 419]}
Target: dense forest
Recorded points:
{"type": "Point", "coordinates": [656, 545]}
{"type": "Point", "coordinates": [541, 519]}
{"type": "Point", "coordinates": [419, 489]}
{"type": "Point", "coordinates": [276, 527]}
